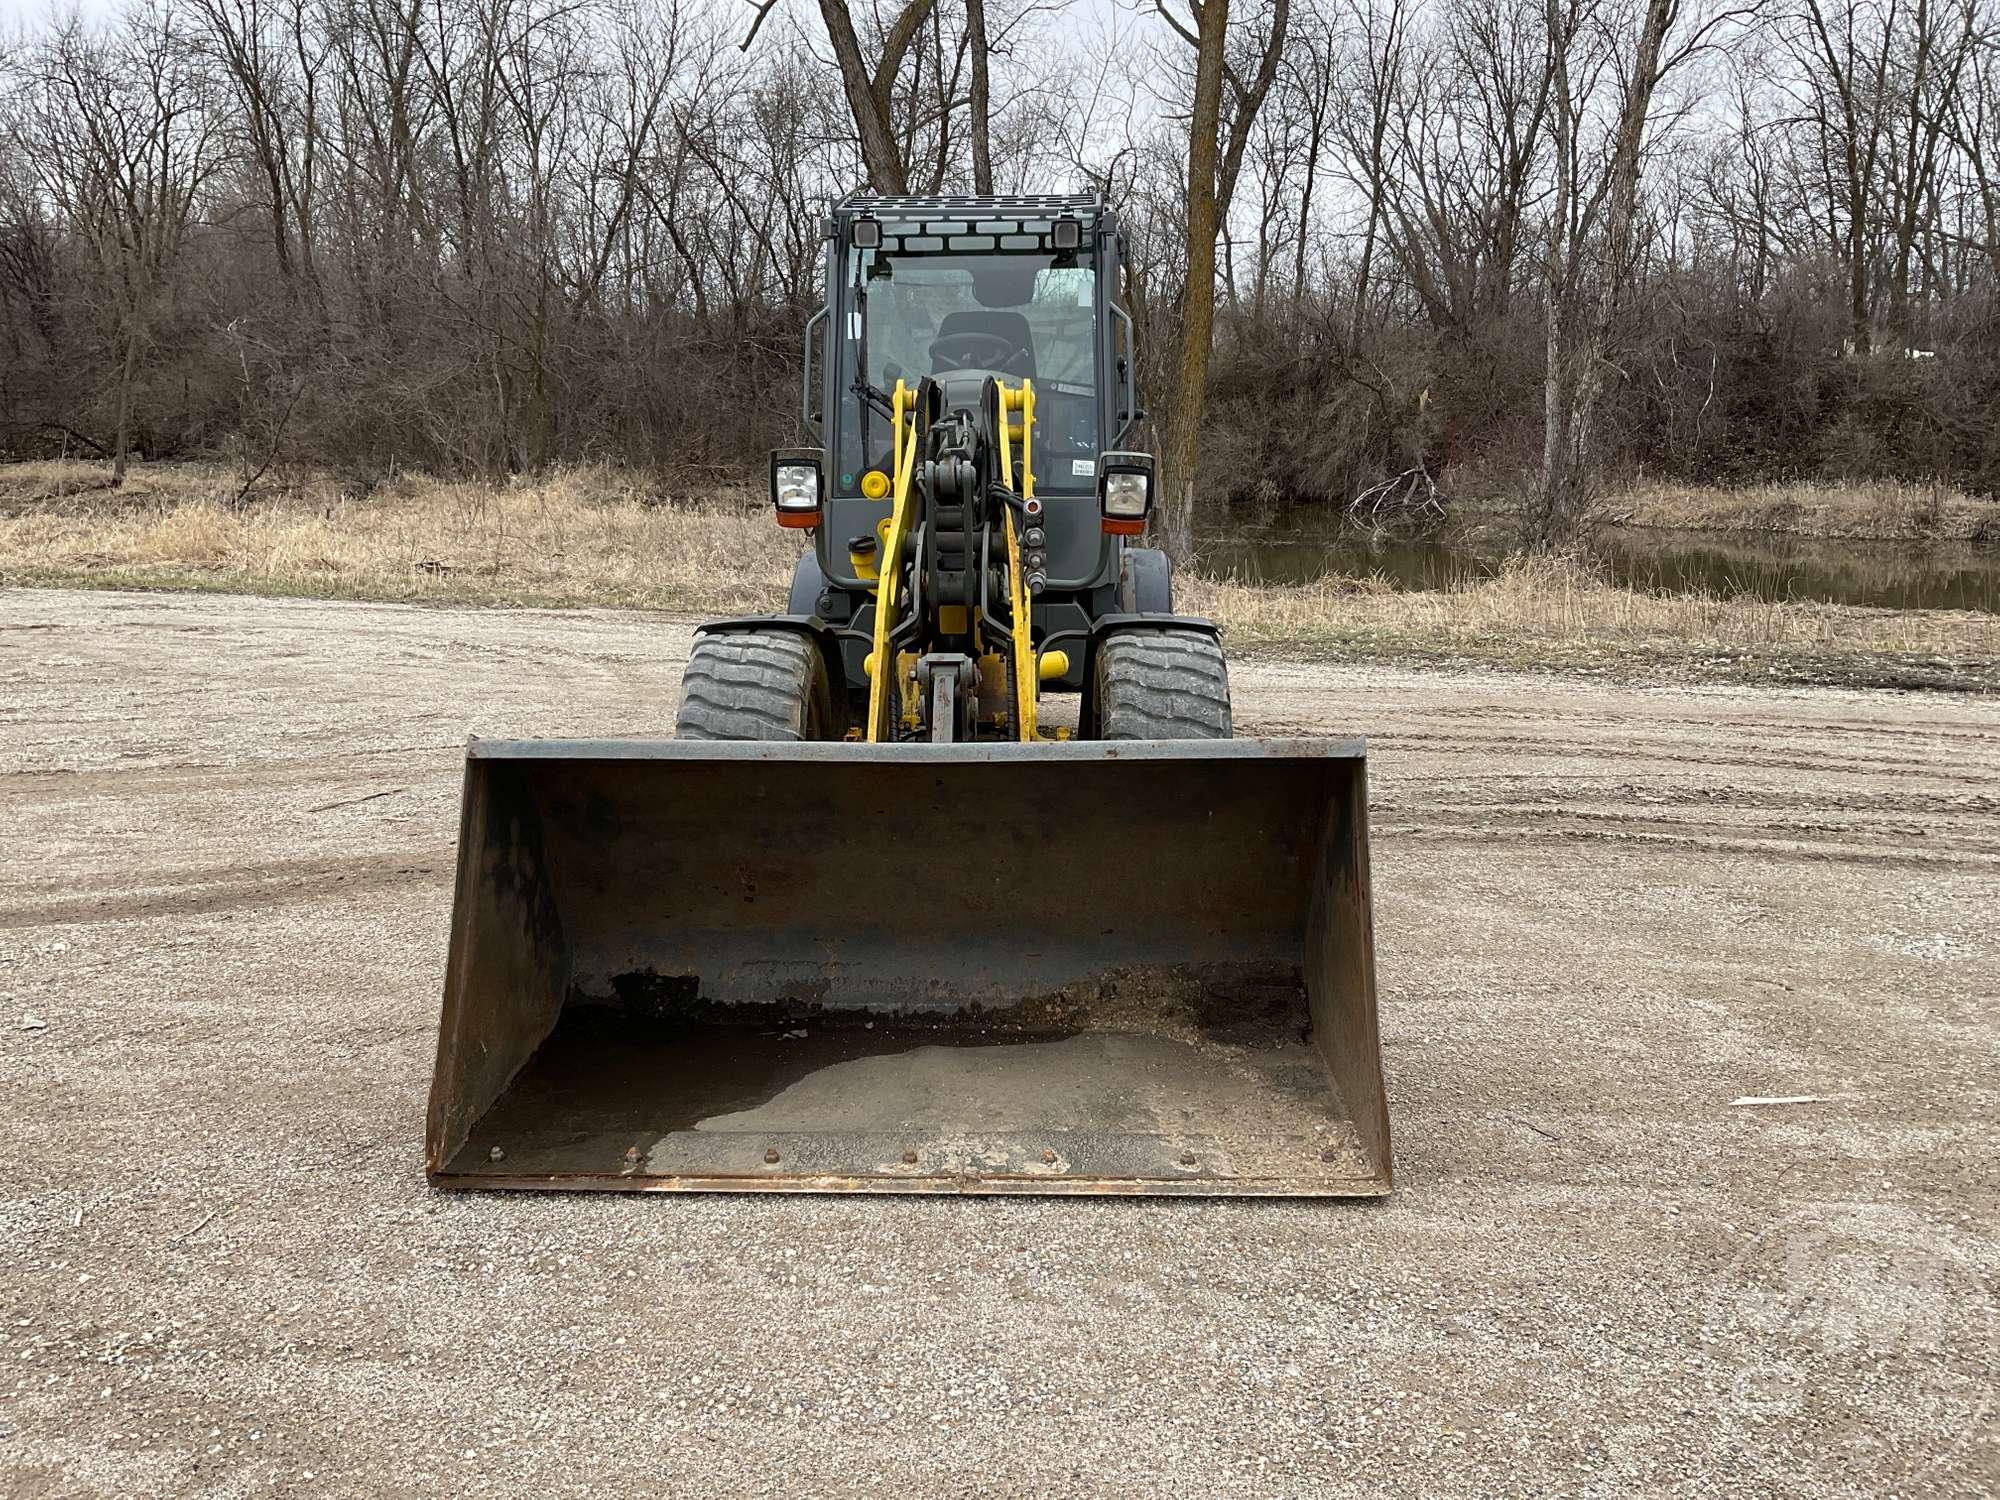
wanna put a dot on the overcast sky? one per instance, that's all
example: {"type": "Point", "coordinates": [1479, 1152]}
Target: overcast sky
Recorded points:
{"type": "Point", "coordinates": [1074, 28]}
{"type": "Point", "coordinates": [1086, 15]}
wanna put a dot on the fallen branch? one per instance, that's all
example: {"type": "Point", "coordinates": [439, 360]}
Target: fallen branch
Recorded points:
{"type": "Point", "coordinates": [1411, 496]}
{"type": "Point", "coordinates": [1761, 1100]}
{"type": "Point", "coordinates": [213, 1215]}
{"type": "Point", "coordinates": [70, 432]}
{"type": "Point", "coordinates": [354, 801]}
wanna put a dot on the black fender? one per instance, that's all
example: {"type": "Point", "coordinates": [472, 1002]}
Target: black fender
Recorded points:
{"type": "Point", "coordinates": [823, 635]}
{"type": "Point", "coordinates": [1105, 626]}
{"type": "Point", "coordinates": [811, 594]}
{"type": "Point", "coordinates": [1146, 581]}
{"type": "Point", "coordinates": [808, 583]}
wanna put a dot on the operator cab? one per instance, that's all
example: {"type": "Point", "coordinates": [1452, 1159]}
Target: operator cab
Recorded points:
{"type": "Point", "coordinates": [962, 319]}
{"type": "Point", "coordinates": [972, 307]}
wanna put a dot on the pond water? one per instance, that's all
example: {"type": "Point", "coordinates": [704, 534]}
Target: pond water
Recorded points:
{"type": "Point", "coordinates": [1891, 575]}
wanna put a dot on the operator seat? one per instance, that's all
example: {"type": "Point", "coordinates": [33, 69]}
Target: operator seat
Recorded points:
{"type": "Point", "coordinates": [994, 324]}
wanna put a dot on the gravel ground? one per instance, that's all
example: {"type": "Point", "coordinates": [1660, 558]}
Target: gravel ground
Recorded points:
{"type": "Point", "coordinates": [1604, 913]}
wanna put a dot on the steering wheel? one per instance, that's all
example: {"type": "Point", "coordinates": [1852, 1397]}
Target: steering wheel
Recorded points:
{"type": "Point", "coordinates": [973, 350]}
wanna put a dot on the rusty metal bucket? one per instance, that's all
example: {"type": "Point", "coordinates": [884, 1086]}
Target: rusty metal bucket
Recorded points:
{"type": "Point", "coordinates": [1060, 968]}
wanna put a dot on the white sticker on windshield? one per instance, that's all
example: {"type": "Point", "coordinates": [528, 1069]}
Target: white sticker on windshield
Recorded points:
{"type": "Point", "coordinates": [1083, 468]}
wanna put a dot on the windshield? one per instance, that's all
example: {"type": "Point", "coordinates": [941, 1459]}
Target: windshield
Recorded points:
{"type": "Point", "coordinates": [970, 316]}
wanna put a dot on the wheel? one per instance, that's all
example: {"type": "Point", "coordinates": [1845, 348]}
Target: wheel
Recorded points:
{"type": "Point", "coordinates": [754, 685]}
{"type": "Point", "coordinates": [1162, 685]}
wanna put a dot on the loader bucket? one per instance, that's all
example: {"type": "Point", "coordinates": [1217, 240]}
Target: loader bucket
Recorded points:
{"type": "Point", "coordinates": [1062, 968]}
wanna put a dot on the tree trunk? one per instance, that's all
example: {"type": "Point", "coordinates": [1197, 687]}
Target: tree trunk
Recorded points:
{"type": "Point", "coordinates": [870, 96]}
{"type": "Point", "coordinates": [1364, 267]}
{"type": "Point", "coordinates": [880, 155]}
{"type": "Point", "coordinates": [981, 102]}
{"type": "Point", "coordinates": [121, 448]}
{"type": "Point", "coordinates": [1582, 306]}
{"type": "Point", "coordinates": [1569, 405]}
{"type": "Point", "coordinates": [1198, 300]}
{"type": "Point", "coordinates": [1859, 326]}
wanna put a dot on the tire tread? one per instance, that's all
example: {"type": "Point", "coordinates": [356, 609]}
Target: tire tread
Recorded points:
{"type": "Point", "coordinates": [1163, 684]}
{"type": "Point", "coordinates": [754, 685]}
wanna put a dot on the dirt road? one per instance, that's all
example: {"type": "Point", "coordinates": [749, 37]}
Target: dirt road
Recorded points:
{"type": "Point", "coordinates": [1604, 914]}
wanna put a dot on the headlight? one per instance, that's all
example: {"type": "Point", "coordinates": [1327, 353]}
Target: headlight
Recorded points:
{"type": "Point", "coordinates": [795, 486]}
{"type": "Point", "coordinates": [1125, 491]}
{"type": "Point", "coordinates": [1126, 495]}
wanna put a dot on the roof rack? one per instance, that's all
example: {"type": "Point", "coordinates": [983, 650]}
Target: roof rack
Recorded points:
{"type": "Point", "coordinates": [961, 203]}
{"type": "Point", "coordinates": [1025, 221]}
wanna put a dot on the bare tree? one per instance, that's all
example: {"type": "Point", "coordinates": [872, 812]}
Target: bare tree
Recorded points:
{"type": "Point", "coordinates": [126, 140]}
{"type": "Point", "coordinates": [494, 234]}
{"type": "Point", "coordinates": [1211, 18]}
{"type": "Point", "coordinates": [870, 91]}
{"type": "Point", "coordinates": [1217, 139]}
{"type": "Point", "coordinates": [1592, 236]}
{"type": "Point", "coordinates": [1371, 91]}
{"type": "Point", "coordinates": [1469, 126]}
{"type": "Point", "coordinates": [1975, 132]}
{"type": "Point", "coordinates": [270, 52]}
{"type": "Point", "coordinates": [1843, 55]}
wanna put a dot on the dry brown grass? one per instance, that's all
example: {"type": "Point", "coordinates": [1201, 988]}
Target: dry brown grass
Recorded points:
{"type": "Point", "coordinates": [579, 536]}
{"type": "Point", "coordinates": [1553, 600]}
{"type": "Point", "coordinates": [601, 537]}
{"type": "Point", "coordinates": [1880, 510]}
{"type": "Point", "coordinates": [1551, 614]}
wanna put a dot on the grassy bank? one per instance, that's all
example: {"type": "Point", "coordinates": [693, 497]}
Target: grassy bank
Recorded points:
{"type": "Point", "coordinates": [1873, 511]}
{"type": "Point", "coordinates": [1551, 614]}
{"type": "Point", "coordinates": [583, 536]}
{"type": "Point", "coordinates": [597, 537]}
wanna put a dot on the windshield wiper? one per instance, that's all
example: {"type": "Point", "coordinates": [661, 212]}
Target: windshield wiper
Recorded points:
{"type": "Point", "coordinates": [869, 395]}
{"type": "Point", "coordinates": [874, 396]}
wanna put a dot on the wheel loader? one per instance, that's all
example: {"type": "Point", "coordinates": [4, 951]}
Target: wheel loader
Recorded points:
{"type": "Point", "coordinates": [952, 878]}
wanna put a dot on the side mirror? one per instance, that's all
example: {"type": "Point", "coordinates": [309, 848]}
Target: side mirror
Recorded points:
{"type": "Point", "coordinates": [808, 393]}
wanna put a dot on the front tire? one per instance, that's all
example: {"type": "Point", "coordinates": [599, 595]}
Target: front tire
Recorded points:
{"type": "Point", "coordinates": [1162, 684]}
{"type": "Point", "coordinates": [754, 685]}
